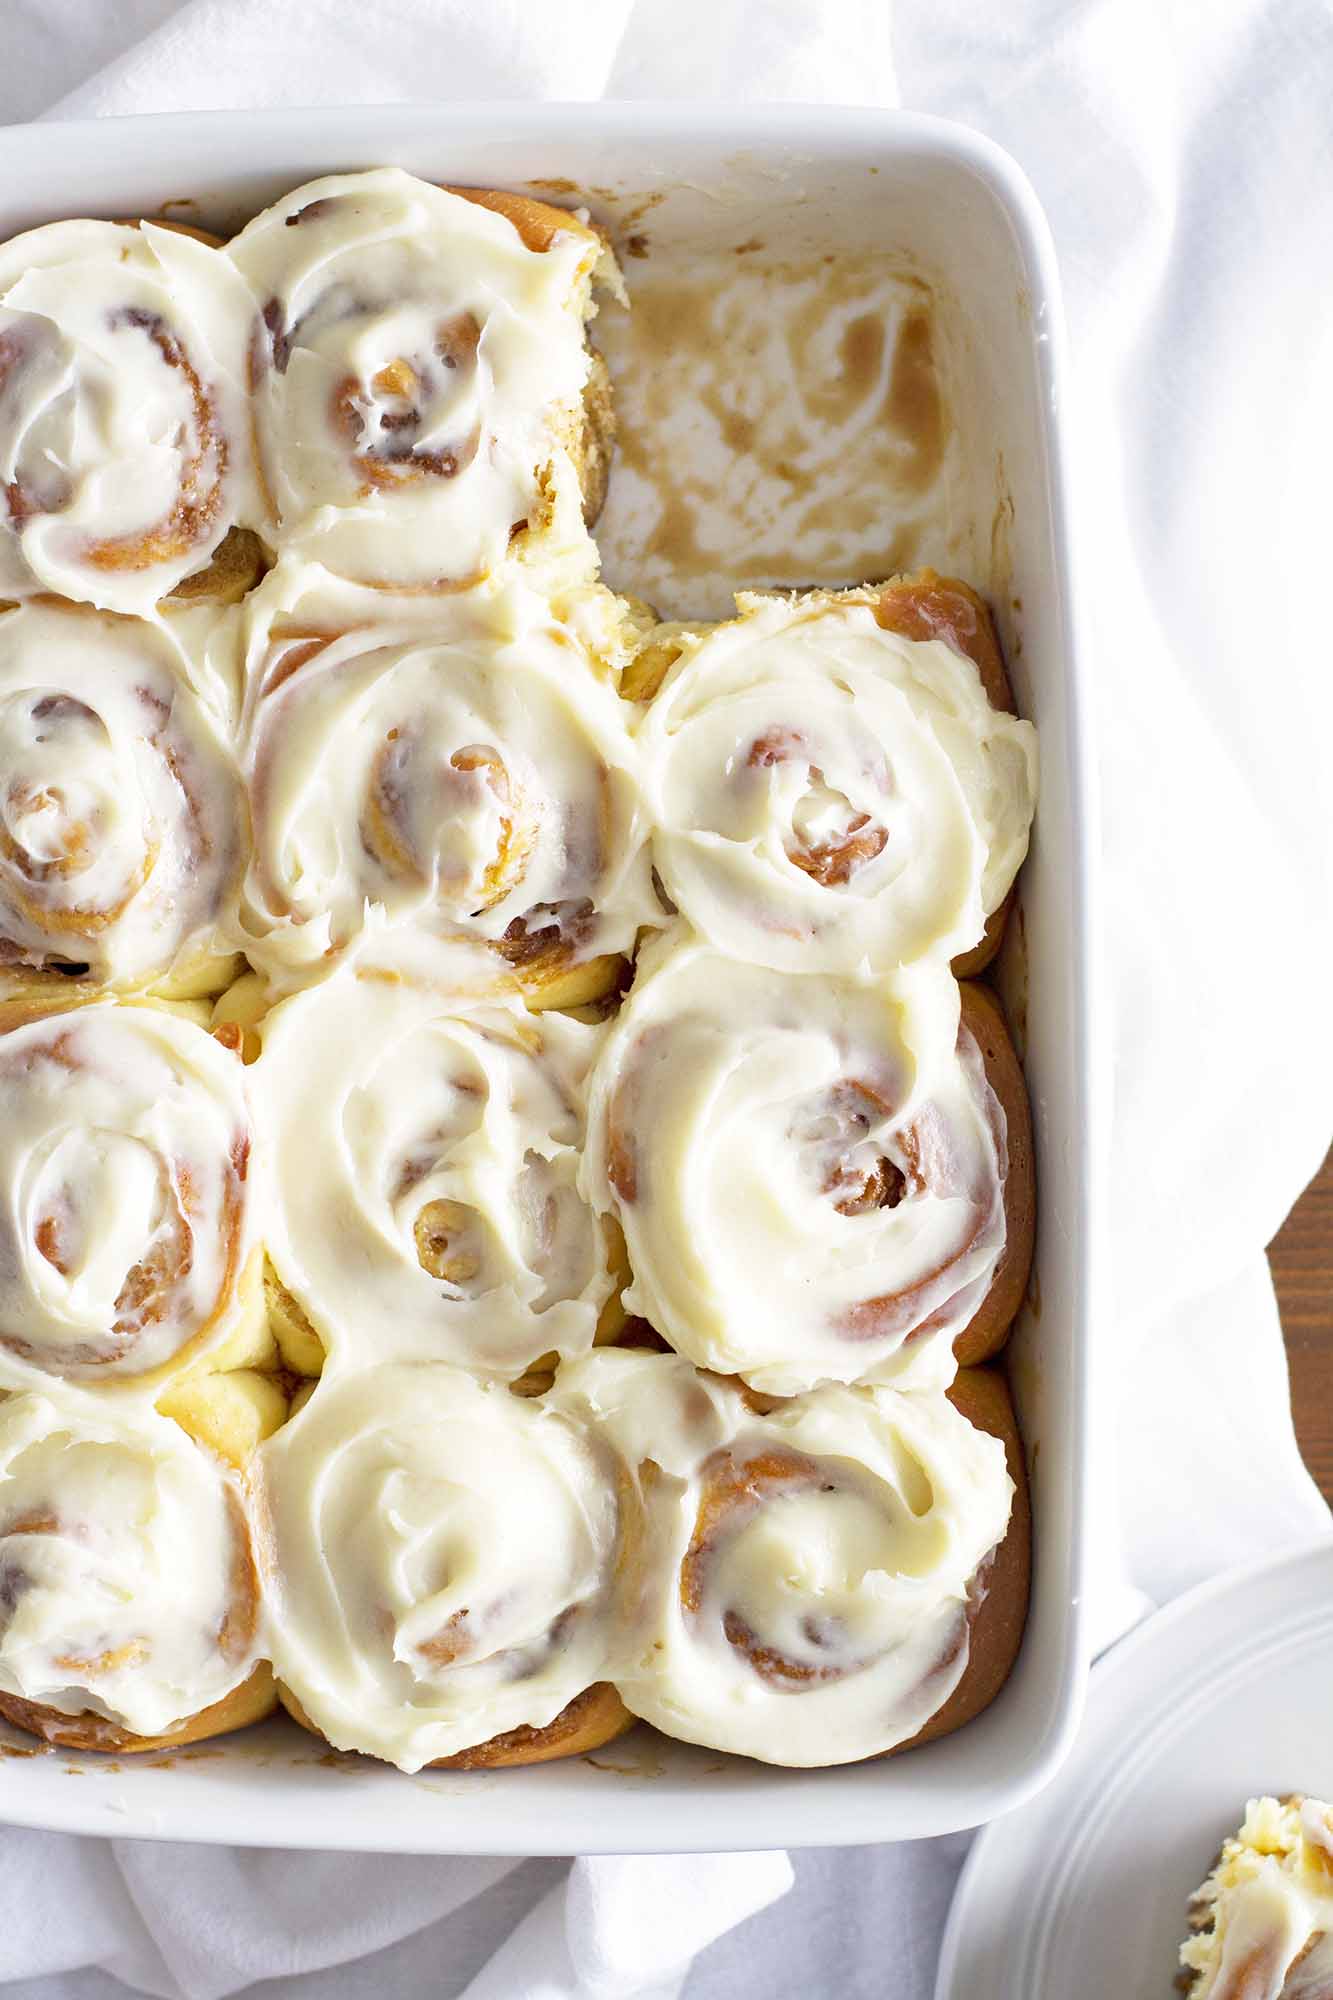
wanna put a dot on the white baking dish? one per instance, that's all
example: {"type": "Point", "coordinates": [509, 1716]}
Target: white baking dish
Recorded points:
{"type": "Point", "coordinates": [801, 180]}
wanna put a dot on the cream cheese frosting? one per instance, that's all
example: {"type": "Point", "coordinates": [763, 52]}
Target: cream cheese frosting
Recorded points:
{"type": "Point", "coordinates": [830, 796]}
{"type": "Point", "coordinates": [422, 1137]}
{"type": "Point", "coordinates": [800, 1581]}
{"type": "Point", "coordinates": [127, 1584]}
{"type": "Point", "coordinates": [127, 1212]}
{"type": "Point", "coordinates": [124, 430]}
{"type": "Point", "coordinates": [121, 813]}
{"type": "Point", "coordinates": [417, 369]}
{"type": "Point", "coordinates": [1264, 1918]}
{"type": "Point", "coordinates": [474, 772]}
{"type": "Point", "coordinates": [396, 771]}
{"type": "Point", "coordinates": [809, 1172]}
{"type": "Point", "coordinates": [445, 1553]}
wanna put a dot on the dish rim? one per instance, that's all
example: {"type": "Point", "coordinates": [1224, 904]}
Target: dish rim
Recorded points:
{"type": "Point", "coordinates": [227, 143]}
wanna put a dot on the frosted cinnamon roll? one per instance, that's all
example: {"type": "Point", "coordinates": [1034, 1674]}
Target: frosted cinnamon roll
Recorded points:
{"type": "Point", "coordinates": [129, 1593]}
{"type": "Point", "coordinates": [124, 430]}
{"type": "Point", "coordinates": [809, 1173]}
{"type": "Point", "coordinates": [829, 794]}
{"type": "Point", "coordinates": [122, 818]}
{"type": "Point", "coordinates": [418, 364]}
{"type": "Point", "coordinates": [127, 1221]}
{"type": "Point", "coordinates": [422, 1140]}
{"type": "Point", "coordinates": [1261, 1926]}
{"type": "Point", "coordinates": [474, 773]}
{"type": "Point", "coordinates": [444, 1556]}
{"type": "Point", "coordinates": [802, 1580]}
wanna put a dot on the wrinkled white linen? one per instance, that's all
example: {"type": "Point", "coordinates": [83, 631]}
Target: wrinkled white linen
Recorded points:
{"type": "Point", "coordinates": [1183, 156]}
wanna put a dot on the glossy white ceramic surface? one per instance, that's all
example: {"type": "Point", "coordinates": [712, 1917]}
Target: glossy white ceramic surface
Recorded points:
{"type": "Point", "coordinates": [807, 180]}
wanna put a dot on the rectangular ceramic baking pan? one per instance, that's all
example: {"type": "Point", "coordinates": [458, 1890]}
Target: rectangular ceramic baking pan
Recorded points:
{"type": "Point", "coordinates": [804, 182]}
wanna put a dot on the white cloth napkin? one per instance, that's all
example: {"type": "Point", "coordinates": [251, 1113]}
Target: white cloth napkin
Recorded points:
{"type": "Point", "coordinates": [1183, 155]}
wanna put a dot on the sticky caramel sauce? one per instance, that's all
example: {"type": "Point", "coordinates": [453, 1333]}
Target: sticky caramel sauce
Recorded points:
{"type": "Point", "coordinates": [780, 424]}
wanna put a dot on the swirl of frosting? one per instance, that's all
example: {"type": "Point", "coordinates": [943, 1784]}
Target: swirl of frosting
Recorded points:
{"type": "Point", "coordinates": [417, 371]}
{"type": "Point", "coordinates": [120, 809]}
{"type": "Point", "coordinates": [444, 1558]}
{"type": "Point", "coordinates": [1262, 1923]}
{"type": "Point", "coordinates": [830, 795]}
{"type": "Point", "coordinates": [800, 1581]}
{"type": "Point", "coordinates": [124, 433]}
{"type": "Point", "coordinates": [128, 1585]}
{"type": "Point", "coordinates": [476, 773]}
{"type": "Point", "coordinates": [124, 1155]}
{"type": "Point", "coordinates": [809, 1172]}
{"type": "Point", "coordinates": [423, 1141]}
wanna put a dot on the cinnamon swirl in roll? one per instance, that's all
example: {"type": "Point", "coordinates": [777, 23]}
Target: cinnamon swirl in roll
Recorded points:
{"type": "Point", "coordinates": [124, 432]}
{"type": "Point", "coordinates": [422, 1138]}
{"type": "Point", "coordinates": [121, 811]}
{"type": "Point", "coordinates": [830, 792]}
{"type": "Point", "coordinates": [127, 1232]}
{"type": "Point", "coordinates": [129, 1592]}
{"type": "Point", "coordinates": [803, 1580]}
{"type": "Point", "coordinates": [810, 1173]}
{"type": "Point", "coordinates": [418, 365]}
{"type": "Point", "coordinates": [473, 773]}
{"type": "Point", "coordinates": [444, 1556]}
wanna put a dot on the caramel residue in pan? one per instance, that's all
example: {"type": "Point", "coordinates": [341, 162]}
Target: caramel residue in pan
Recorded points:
{"type": "Point", "coordinates": [913, 409]}
{"type": "Point", "coordinates": [780, 425]}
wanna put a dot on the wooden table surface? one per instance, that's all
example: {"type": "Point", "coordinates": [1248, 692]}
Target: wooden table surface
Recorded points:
{"type": "Point", "coordinates": [1302, 1259]}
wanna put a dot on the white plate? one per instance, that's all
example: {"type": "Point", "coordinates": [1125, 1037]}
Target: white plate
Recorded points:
{"type": "Point", "coordinates": [715, 179]}
{"type": "Point", "coordinates": [1221, 1697]}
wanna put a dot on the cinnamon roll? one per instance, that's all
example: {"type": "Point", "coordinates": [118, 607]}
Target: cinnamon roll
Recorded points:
{"type": "Point", "coordinates": [1261, 1926]}
{"type": "Point", "coordinates": [444, 1558]}
{"type": "Point", "coordinates": [802, 1579]}
{"type": "Point", "coordinates": [124, 433]}
{"type": "Point", "coordinates": [423, 1140]}
{"type": "Point", "coordinates": [810, 1173]}
{"type": "Point", "coordinates": [129, 1592]}
{"type": "Point", "coordinates": [474, 773]}
{"type": "Point", "coordinates": [830, 793]}
{"type": "Point", "coordinates": [418, 364]}
{"type": "Point", "coordinates": [127, 1231]}
{"type": "Point", "coordinates": [122, 818]}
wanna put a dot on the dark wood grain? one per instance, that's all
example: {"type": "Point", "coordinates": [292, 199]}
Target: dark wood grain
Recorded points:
{"type": "Point", "coordinates": [1301, 1255]}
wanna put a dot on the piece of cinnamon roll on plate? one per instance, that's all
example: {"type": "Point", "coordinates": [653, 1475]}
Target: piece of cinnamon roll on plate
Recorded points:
{"type": "Point", "coordinates": [1261, 1925]}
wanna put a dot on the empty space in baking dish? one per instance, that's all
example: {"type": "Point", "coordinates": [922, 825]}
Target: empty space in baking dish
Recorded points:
{"type": "Point", "coordinates": [918, 217]}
